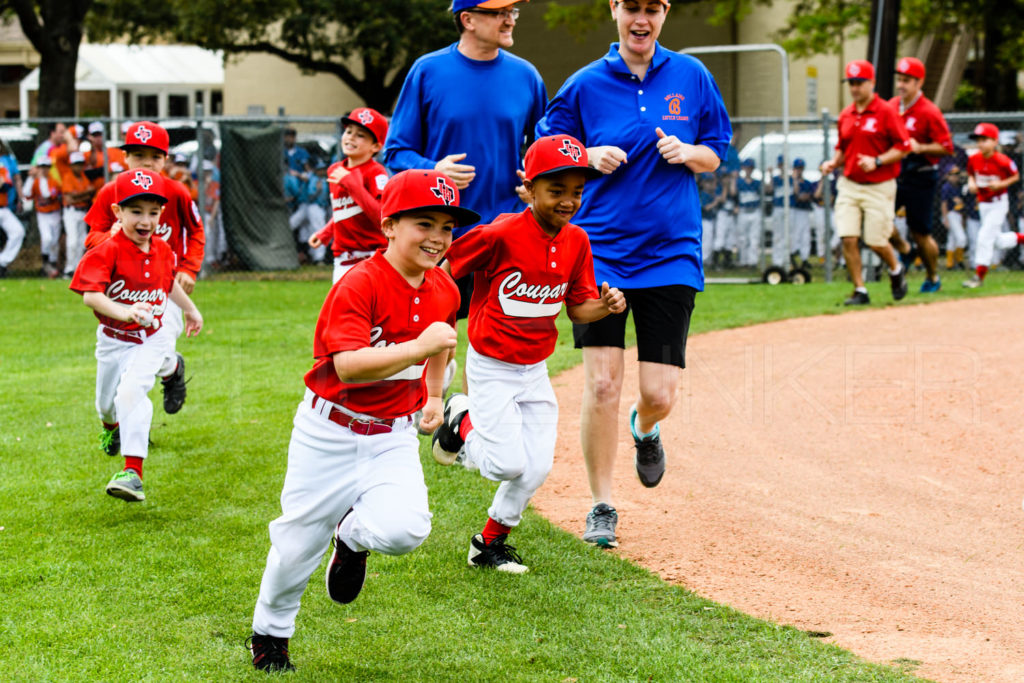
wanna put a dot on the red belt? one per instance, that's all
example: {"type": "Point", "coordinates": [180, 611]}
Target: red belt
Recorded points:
{"type": "Point", "coordinates": [358, 425]}
{"type": "Point", "coordinates": [133, 336]}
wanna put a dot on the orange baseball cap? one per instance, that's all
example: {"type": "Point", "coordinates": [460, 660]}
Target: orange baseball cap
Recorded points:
{"type": "Point", "coordinates": [860, 70]}
{"type": "Point", "coordinates": [463, 5]}
{"type": "Point", "coordinates": [911, 66]}
{"type": "Point", "coordinates": [424, 190]}
{"type": "Point", "coordinates": [556, 153]}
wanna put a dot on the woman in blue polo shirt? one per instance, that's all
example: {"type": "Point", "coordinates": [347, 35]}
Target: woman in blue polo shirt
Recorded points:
{"type": "Point", "coordinates": [651, 119]}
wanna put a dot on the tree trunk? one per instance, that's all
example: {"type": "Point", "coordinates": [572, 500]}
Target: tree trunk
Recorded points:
{"type": "Point", "coordinates": [55, 32]}
{"type": "Point", "coordinates": [999, 83]}
{"type": "Point", "coordinates": [57, 83]}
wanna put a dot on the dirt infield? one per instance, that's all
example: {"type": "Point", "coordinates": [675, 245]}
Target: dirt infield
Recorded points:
{"type": "Point", "coordinates": [859, 475]}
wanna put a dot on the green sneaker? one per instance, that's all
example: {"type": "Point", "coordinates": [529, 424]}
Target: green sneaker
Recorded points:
{"type": "Point", "coordinates": [110, 440]}
{"type": "Point", "coordinates": [127, 486]}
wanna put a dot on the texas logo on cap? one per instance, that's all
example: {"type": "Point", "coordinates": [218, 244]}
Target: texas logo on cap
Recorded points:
{"type": "Point", "coordinates": [557, 153]}
{"type": "Point", "coordinates": [137, 183]}
{"type": "Point", "coordinates": [424, 190]}
{"type": "Point", "coordinates": [147, 134]}
{"type": "Point", "coordinates": [370, 119]}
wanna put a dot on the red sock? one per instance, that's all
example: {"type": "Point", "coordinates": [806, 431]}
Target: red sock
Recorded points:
{"type": "Point", "coordinates": [133, 463]}
{"type": "Point", "coordinates": [465, 427]}
{"type": "Point", "coordinates": [492, 530]}
{"type": "Point", "coordinates": [981, 271]}
{"type": "Point", "coordinates": [108, 426]}
{"type": "Point", "coordinates": [1020, 238]}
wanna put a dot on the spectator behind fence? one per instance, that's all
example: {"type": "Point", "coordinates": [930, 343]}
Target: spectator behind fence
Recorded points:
{"type": "Point", "coordinates": [748, 221]}
{"type": "Point", "coordinates": [78, 193]}
{"type": "Point", "coordinates": [951, 205]}
{"type": "Point", "coordinates": [296, 158]}
{"type": "Point", "coordinates": [709, 198]}
{"type": "Point", "coordinates": [872, 140]}
{"type": "Point", "coordinates": [44, 193]}
{"type": "Point", "coordinates": [98, 156]}
{"type": "Point", "coordinates": [216, 240]}
{"type": "Point", "coordinates": [8, 159]}
{"type": "Point", "coordinates": [725, 220]}
{"type": "Point", "coordinates": [9, 223]}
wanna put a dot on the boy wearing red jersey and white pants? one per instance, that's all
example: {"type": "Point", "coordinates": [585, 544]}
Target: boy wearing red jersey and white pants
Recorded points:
{"type": "Point", "coordinates": [145, 147]}
{"type": "Point", "coordinates": [356, 184]}
{"type": "Point", "coordinates": [354, 473]}
{"type": "Point", "coordinates": [127, 281]}
{"type": "Point", "coordinates": [526, 266]}
{"type": "Point", "coordinates": [989, 174]}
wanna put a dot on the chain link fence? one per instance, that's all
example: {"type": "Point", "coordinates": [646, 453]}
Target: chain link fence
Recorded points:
{"type": "Point", "coordinates": [746, 237]}
{"type": "Point", "coordinates": [262, 195]}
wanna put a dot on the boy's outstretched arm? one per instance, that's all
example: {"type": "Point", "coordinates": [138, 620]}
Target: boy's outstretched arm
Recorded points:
{"type": "Point", "coordinates": [592, 310]}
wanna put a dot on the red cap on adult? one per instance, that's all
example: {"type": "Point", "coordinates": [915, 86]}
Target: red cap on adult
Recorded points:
{"type": "Point", "coordinates": [911, 66]}
{"type": "Point", "coordinates": [860, 70]}
{"type": "Point", "coordinates": [424, 190]}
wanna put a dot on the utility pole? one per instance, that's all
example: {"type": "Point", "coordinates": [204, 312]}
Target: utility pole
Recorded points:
{"type": "Point", "coordinates": [882, 37]}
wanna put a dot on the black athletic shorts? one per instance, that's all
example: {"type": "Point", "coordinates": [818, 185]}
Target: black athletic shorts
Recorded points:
{"type": "Point", "coordinates": [661, 317]}
{"type": "Point", "coordinates": [915, 190]}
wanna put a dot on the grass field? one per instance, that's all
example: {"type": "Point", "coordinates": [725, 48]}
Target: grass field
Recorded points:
{"type": "Point", "coordinates": [94, 589]}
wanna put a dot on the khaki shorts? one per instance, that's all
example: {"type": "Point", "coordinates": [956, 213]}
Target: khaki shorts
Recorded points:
{"type": "Point", "coordinates": [873, 205]}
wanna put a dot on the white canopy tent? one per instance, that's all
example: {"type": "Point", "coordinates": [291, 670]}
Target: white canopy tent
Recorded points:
{"type": "Point", "coordinates": [144, 80]}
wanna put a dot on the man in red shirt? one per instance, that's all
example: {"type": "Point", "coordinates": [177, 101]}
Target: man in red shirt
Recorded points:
{"type": "Point", "coordinates": [872, 140]}
{"type": "Point", "coordinates": [918, 180]}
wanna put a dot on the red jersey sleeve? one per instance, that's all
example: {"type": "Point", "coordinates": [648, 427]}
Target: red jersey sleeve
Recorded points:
{"type": "Point", "coordinates": [326, 234]}
{"type": "Point", "coordinates": [99, 217]}
{"type": "Point", "coordinates": [93, 272]}
{"type": "Point", "coordinates": [192, 225]}
{"type": "Point", "coordinates": [344, 323]}
{"type": "Point", "coordinates": [474, 251]}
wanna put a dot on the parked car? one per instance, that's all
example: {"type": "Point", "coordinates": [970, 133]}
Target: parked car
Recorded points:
{"type": "Point", "coordinates": [806, 144]}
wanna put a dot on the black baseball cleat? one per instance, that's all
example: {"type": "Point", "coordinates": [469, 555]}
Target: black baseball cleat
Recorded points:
{"type": "Point", "coordinates": [898, 283]}
{"type": "Point", "coordinates": [269, 653]}
{"type": "Point", "coordinates": [858, 299]}
{"type": "Point", "coordinates": [345, 572]}
{"type": "Point", "coordinates": [447, 442]}
{"type": "Point", "coordinates": [497, 555]}
{"type": "Point", "coordinates": [174, 388]}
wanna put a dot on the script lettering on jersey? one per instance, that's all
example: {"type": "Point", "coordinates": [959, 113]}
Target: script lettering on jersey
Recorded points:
{"type": "Point", "coordinates": [519, 299]}
{"type": "Point", "coordinates": [163, 231]}
{"type": "Point", "coordinates": [118, 291]}
{"type": "Point", "coordinates": [411, 373]}
{"type": "Point", "coordinates": [344, 207]}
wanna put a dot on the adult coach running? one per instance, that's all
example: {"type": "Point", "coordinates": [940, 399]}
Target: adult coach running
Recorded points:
{"type": "Point", "coordinates": [651, 119]}
{"type": "Point", "coordinates": [467, 110]}
{"type": "Point", "coordinates": [872, 140]}
{"type": "Point", "coordinates": [919, 175]}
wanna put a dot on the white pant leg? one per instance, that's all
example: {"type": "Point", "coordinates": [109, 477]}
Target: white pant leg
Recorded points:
{"type": "Point", "coordinates": [10, 224]}
{"type": "Point", "coordinates": [993, 215]}
{"type": "Point", "coordinates": [801, 232]}
{"type": "Point", "coordinates": [316, 220]}
{"type": "Point", "coordinates": [331, 469]}
{"type": "Point", "coordinates": [74, 234]}
{"type": "Point", "coordinates": [173, 325]}
{"type": "Point", "coordinates": [957, 238]}
{"type": "Point", "coordinates": [299, 217]}
{"type": "Point", "coordinates": [49, 225]}
{"type": "Point", "coordinates": [707, 240]}
{"type": "Point", "coordinates": [725, 230]}
{"type": "Point", "coordinates": [973, 227]}
{"type": "Point", "coordinates": [748, 225]}
{"type": "Point", "coordinates": [125, 373]}
{"type": "Point", "coordinates": [780, 255]}
{"type": "Point", "coordinates": [514, 430]}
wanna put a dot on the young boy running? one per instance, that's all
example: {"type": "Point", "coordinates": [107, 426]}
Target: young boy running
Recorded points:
{"type": "Point", "coordinates": [989, 174]}
{"type": "Point", "coordinates": [354, 477]}
{"type": "Point", "coordinates": [526, 266]}
{"type": "Point", "coordinates": [145, 146]}
{"type": "Point", "coordinates": [127, 280]}
{"type": "Point", "coordinates": [356, 184]}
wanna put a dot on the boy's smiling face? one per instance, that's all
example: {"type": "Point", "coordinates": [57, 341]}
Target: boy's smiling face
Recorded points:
{"type": "Point", "coordinates": [139, 219]}
{"type": "Point", "coordinates": [358, 143]}
{"type": "Point", "coordinates": [556, 198]}
{"type": "Point", "coordinates": [417, 240]}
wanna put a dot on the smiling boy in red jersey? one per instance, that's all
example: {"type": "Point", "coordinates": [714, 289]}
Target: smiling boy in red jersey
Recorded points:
{"type": "Point", "coordinates": [526, 266]}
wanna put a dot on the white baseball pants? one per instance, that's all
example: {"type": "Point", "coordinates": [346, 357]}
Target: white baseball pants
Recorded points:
{"type": "Point", "coordinates": [991, 235]}
{"type": "Point", "coordinates": [707, 241]}
{"type": "Point", "coordinates": [515, 424]}
{"type": "Point", "coordinates": [332, 469]}
{"type": "Point", "coordinates": [957, 238]}
{"type": "Point", "coordinates": [748, 225]}
{"type": "Point", "coordinates": [74, 238]}
{"type": "Point", "coordinates": [801, 238]}
{"type": "Point", "coordinates": [346, 260]}
{"type": "Point", "coordinates": [49, 225]}
{"type": "Point", "coordinates": [725, 230]}
{"type": "Point", "coordinates": [10, 224]}
{"type": "Point", "coordinates": [780, 244]}
{"type": "Point", "coordinates": [125, 372]}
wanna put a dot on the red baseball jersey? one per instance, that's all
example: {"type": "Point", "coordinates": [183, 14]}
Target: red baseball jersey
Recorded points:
{"type": "Point", "coordinates": [522, 277]}
{"type": "Point", "coordinates": [873, 132]}
{"type": "Point", "coordinates": [925, 123]}
{"type": "Point", "coordinates": [180, 224]}
{"type": "Point", "coordinates": [373, 305]}
{"type": "Point", "coordinates": [991, 170]}
{"type": "Point", "coordinates": [355, 208]}
{"type": "Point", "coordinates": [126, 274]}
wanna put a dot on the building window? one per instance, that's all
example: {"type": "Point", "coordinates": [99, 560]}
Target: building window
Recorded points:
{"type": "Point", "coordinates": [147, 107]}
{"type": "Point", "coordinates": [177, 105]}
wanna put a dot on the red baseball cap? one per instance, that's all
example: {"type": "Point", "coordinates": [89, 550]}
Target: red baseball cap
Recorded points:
{"type": "Point", "coordinates": [428, 190]}
{"type": "Point", "coordinates": [139, 182]}
{"type": "Point", "coordinates": [370, 119]}
{"type": "Point", "coordinates": [860, 70]}
{"type": "Point", "coordinates": [911, 66]}
{"type": "Point", "coordinates": [557, 153]}
{"type": "Point", "coordinates": [985, 130]}
{"type": "Point", "coordinates": [146, 134]}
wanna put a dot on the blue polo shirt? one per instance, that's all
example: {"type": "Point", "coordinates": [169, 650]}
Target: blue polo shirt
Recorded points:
{"type": "Point", "coordinates": [644, 220]}
{"type": "Point", "coordinates": [451, 104]}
